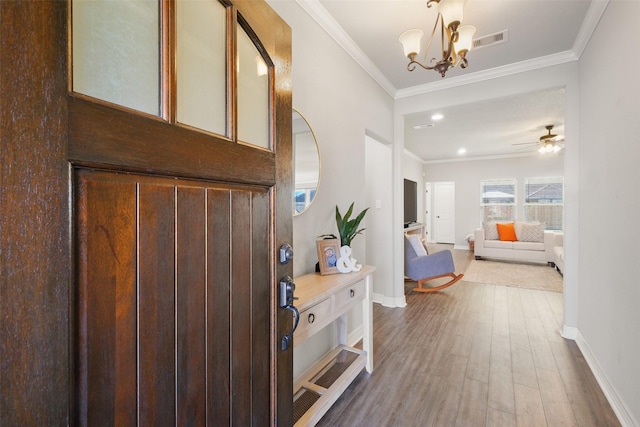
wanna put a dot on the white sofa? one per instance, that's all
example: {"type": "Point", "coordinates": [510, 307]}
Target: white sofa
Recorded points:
{"type": "Point", "coordinates": [558, 251]}
{"type": "Point", "coordinates": [540, 250]}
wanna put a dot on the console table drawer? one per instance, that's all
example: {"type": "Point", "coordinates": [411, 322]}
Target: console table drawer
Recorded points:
{"type": "Point", "coordinates": [313, 319]}
{"type": "Point", "coordinates": [349, 296]}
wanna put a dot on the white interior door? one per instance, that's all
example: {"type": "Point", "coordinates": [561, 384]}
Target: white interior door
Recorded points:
{"type": "Point", "coordinates": [444, 198]}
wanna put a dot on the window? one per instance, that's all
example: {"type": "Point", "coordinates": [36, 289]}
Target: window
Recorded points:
{"type": "Point", "coordinates": [498, 200]}
{"type": "Point", "coordinates": [544, 201]}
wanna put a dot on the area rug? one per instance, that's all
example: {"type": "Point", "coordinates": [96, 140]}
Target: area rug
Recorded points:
{"type": "Point", "coordinates": [503, 273]}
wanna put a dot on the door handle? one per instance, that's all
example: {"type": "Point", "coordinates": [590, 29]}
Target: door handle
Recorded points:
{"type": "Point", "coordinates": [287, 287]}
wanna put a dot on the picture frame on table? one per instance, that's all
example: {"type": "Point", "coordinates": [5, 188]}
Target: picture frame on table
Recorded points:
{"type": "Point", "coordinates": [328, 252]}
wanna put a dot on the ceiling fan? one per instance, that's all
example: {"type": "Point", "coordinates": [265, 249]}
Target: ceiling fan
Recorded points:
{"type": "Point", "coordinates": [549, 143]}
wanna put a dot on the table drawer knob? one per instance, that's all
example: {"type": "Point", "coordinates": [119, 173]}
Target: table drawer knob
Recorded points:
{"type": "Point", "coordinates": [311, 318]}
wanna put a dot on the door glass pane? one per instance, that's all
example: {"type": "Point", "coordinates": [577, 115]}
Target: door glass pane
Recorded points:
{"type": "Point", "coordinates": [116, 52]}
{"type": "Point", "coordinates": [201, 65]}
{"type": "Point", "coordinates": [253, 93]}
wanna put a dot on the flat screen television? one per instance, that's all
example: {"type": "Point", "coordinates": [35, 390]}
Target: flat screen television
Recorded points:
{"type": "Point", "coordinates": [410, 202]}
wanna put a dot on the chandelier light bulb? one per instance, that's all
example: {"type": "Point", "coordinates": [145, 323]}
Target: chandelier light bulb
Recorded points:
{"type": "Point", "coordinates": [465, 38]}
{"type": "Point", "coordinates": [410, 40]}
{"type": "Point", "coordinates": [452, 11]}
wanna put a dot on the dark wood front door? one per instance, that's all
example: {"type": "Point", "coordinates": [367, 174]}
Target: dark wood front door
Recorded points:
{"type": "Point", "coordinates": [174, 317]}
{"type": "Point", "coordinates": [173, 306]}
{"type": "Point", "coordinates": [136, 255]}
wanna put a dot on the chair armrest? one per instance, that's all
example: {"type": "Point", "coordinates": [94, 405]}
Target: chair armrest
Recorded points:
{"type": "Point", "coordinates": [558, 238]}
{"type": "Point", "coordinates": [548, 245]}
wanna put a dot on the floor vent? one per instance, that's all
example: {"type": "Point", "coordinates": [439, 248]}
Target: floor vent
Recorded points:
{"type": "Point", "coordinates": [491, 39]}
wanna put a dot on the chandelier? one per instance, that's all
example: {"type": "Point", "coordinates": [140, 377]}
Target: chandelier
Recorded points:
{"type": "Point", "coordinates": [456, 40]}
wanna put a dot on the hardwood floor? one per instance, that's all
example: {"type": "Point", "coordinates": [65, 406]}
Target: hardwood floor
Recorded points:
{"type": "Point", "coordinates": [473, 355]}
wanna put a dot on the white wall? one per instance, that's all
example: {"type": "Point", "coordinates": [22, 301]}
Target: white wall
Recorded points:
{"type": "Point", "coordinates": [468, 174]}
{"type": "Point", "coordinates": [379, 224]}
{"type": "Point", "coordinates": [342, 104]}
{"type": "Point", "coordinates": [609, 323]}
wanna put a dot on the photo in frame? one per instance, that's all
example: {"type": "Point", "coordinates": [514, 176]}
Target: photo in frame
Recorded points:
{"type": "Point", "coordinates": [328, 251]}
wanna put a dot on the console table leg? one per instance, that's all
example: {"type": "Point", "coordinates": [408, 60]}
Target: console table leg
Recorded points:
{"type": "Point", "coordinates": [367, 323]}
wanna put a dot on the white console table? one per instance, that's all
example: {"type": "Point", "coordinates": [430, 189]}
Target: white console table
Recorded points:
{"type": "Point", "coordinates": [322, 300]}
{"type": "Point", "coordinates": [416, 228]}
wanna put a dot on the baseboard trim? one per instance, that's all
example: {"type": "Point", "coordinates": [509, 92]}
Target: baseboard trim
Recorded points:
{"type": "Point", "coordinates": [388, 301]}
{"type": "Point", "coordinates": [355, 336]}
{"type": "Point", "coordinates": [569, 332]}
{"type": "Point", "coordinates": [624, 416]}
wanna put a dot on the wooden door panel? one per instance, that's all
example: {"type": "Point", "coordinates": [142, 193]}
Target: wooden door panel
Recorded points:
{"type": "Point", "coordinates": [167, 279]}
{"type": "Point", "coordinates": [240, 306]}
{"type": "Point", "coordinates": [219, 303]}
{"type": "Point", "coordinates": [156, 297]}
{"type": "Point", "coordinates": [261, 307]}
{"type": "Point", "coordinates": [190, 306]}
{"type": "Point", "coordinates": [101, 135]}
{"type": "Point", "coordinates": [106, 301]}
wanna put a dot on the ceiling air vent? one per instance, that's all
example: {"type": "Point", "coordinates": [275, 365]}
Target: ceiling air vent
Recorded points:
{"type": "Point", "coordinates": [423, 126]}
{"type": "Point", "coordinates": [491, 39]}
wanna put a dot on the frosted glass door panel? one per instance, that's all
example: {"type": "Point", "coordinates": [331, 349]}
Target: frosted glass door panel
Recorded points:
{"type": "Point", "coordinates": [116, 53]}
{"type": "Point", "coordinates": [201, 65]}
{"type": "Point", "coordinates": [253, 93]}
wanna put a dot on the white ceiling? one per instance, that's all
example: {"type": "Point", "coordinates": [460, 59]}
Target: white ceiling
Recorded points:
{"type": "Point", "coordinates": [540, 32]}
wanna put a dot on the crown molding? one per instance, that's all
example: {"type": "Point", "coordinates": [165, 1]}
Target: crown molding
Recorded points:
{"type": "Point", "coordinates": [480, 76]}
{"type": "Point", "coordinates": [591, 20]}
{"type": "Point", "coordinates": [477, 158]}
{"type": "Point", "coordinates": [319, 14]}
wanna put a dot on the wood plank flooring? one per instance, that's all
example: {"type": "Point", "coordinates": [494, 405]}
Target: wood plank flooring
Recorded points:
{"type": "Point", "coordinates": [473, 355]}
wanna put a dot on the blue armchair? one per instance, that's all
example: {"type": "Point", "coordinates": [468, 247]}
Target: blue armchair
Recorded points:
{"type": "Point", "coordinates": [422, 267]}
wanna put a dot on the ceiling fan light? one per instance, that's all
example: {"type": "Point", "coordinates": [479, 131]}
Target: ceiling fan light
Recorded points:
{"type": "Point", "coordinates": [556, 148]}
{"type": "Point", "coordinates": [451, 11]}
{"type": "Point", "coordinates": [541, 150]}
{"type": "Point", "coordinates": [465, 38]}
{"type": "Point", "coordinates": [410, 40]}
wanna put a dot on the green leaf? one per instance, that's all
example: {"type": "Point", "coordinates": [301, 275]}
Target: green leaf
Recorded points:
{"type": "Point", "coordinates": [348, 228]}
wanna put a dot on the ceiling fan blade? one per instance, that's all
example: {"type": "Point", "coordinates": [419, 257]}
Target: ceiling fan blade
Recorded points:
{"type": "Point", "coordinates": [525, 143]}
{"type": "Point", "coordinates": [526, 148]}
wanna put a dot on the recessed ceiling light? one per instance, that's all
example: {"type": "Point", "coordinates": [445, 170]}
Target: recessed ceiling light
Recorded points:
{"type": "Point", "coordinates": [437, 116]}
{"type": "Point", "coordinates": [462, 151]}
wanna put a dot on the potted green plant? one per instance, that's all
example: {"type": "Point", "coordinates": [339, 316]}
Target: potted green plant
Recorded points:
{"type": "Point", "coordinates": [347, 227]}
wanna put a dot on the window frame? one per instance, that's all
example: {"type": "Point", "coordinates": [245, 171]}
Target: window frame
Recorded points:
{"type": "Point", "coordinates": [513, 204]}
{"type": "Point", "coordinates": [526, 204]}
